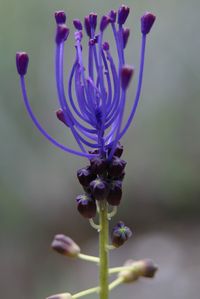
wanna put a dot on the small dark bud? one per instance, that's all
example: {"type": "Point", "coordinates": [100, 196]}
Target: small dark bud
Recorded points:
{"type": "Point", "coordinates": [105, 20]}
{"type": "Point", "coordinates": [121, 176]}
{"type": "Point", "coordinates": [106, 46]}
{"type": "Point", "coordinates": [99, 189]}
{"type": "Point", "coordinates": [98, 165]}
{"type": "Point", "coordinates": [60, 115]}
{"type": "Point", "coordinates": [118, 150]}
{"type": "Point", "coordinates": [65, 245]}
{"type": "Point", "coordinates": [22, 60]}
{"type": "Point", "coordinates": [61, 296]}
{"type": "Point", "coordinates": [112, 15]}
{"type": "Point", "coordinates": [93, 20]}
{"type": "Point", "coordinates": [115, 193]}
{"type": "Point", "coordinates": [123, 13]}
{"type": "Point", "coordinates": [116, 167]}
{"type": "Point", "coordinates": [94, 152]}
{"type": "Point", "coordinates": [86, 206]}
{"type": "Point", "coordinates": [87, 26]}
{"type": "Point", "coordinates": [77, 24]}
{"type": "Point", "coordinates": [147, 21]}
{"type": "Point", "coordinates": [85, 176]}
{"type": "Point", "coordinates": [125, 35]}
{"type": "Point", "coordinates": [149, 268]}
{"type": "Point", "coordinates": [62, 33]}
{"type": "Point", "coordinates": [120, 234]}
{"type": "Point", "coordinates": [60, 17]}
{"type": "Point", "coordinates": [126, 75]}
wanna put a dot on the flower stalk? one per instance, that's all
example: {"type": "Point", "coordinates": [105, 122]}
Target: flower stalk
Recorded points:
{"type": "Point", "coordinates": [103, 251]}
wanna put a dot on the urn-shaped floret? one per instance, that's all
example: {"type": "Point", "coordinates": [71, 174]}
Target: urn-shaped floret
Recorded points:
{"type": "Point", "coordinates": [116, 166]}
{"type": "Point", "coordinates": [99, 189]}
{"type": "Point", "coordinates": [115, 193]}
{"type": "Point", "coordinates": [86, 206]}
{"type": "Point", "coordinates": [120, 234]}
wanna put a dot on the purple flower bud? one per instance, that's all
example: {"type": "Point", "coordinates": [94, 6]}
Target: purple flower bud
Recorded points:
{"type": "Point", "coordinates": [106, 46]}
{"type": "Point", "coordinates": [147, 21]}
{"type": "Point", "coordinates": [22, 60]}
{"type": "Point", "coordinates": [86, 206]}
{"type": "Point", "coordinates": [77, 24]}
{"type": "Point", "coordinates": [105, 20]}
{"type": "Point", "coordinates": [61, 296]}
{"type": "Point", "coordinates": [115, 193]}
{"type": "Point", "coordinates": [125, 36]}
{"type": "Point", "coordinates": [87, 26]}
{"type": "Point", "coordinates": [112, 15]}
{"type": "Point", "coordinates": [65, 245]}
{"type": "Point", "coordinates": [98, 165]}
{"type": "Point", "coordinates": [60, 17]}
{"type": "Point", "coordinates": [116, 167]}
{"type": "Point", "coordinates": [99, 189]}
{"type": "Point", "coordinates": [126, 75]}
{"type": "Point", "coordinates": [60, 115]}
{"type": "Point", "coordinates": [62, 33]}
{"type": "Point", "coordinates": [93, 20]}
{"type": "Point", "coordinates": [85, 176]}
{"type": "Point", "coordinates": [120, 234]}
{"type": "Point", "coordinates": [123, 13]}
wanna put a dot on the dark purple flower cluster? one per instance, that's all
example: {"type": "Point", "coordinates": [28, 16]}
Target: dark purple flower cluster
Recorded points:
{"type": "Point", "coordinates": [101, 180]}
{"type": "Point", "coordinates": [93, 108]}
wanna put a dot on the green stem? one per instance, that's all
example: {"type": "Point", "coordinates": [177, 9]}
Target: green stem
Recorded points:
{"type": "Point", "coordinates": [86, 292]}
{"type": "Point", "coordinates": [103, 251]}
{"type": "Point", "coordinates": [88, 258]}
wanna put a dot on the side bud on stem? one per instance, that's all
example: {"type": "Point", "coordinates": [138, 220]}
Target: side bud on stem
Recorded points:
{"type": "Point", "coordinates": [65, 246]}
{"type": "Point", "coordinates": [143, 268]}
{"type": "Point", "coordinates": [120, 234]}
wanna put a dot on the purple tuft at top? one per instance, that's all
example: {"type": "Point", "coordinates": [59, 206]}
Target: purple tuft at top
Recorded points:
{"type": "Point", "coordinates": [93, 103]}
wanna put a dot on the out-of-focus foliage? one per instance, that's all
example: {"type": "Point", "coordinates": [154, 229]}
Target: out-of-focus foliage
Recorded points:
{"type": "Point", "coordinates": [38, 183]}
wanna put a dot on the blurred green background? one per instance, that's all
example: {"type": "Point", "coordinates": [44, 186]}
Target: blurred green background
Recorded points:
{"type": "Point", "coordinates": [38, 183]}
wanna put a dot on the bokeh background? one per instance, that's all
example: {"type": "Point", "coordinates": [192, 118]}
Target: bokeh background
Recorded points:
{"type": "Point", "coordinates": [38, 183]}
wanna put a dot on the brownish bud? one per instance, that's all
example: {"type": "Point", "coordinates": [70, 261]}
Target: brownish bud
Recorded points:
{"type": "Point", "coordinates": [149, 268]}
{"type": "Point", "coordinates": [136, 269]}
{"type": "Point", "coordinates": [65, 245]}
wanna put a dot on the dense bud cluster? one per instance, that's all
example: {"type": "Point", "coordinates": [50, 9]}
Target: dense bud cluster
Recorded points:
{"type": "Point", "coordinates": [101, 180]}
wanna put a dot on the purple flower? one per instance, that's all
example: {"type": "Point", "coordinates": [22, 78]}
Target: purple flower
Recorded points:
{"type": "Point", "coordinates": [93, 109]}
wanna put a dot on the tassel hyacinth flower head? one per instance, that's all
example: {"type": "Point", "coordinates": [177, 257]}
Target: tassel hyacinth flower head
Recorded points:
{"type": "Point", "coordinates": [92, 108]}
